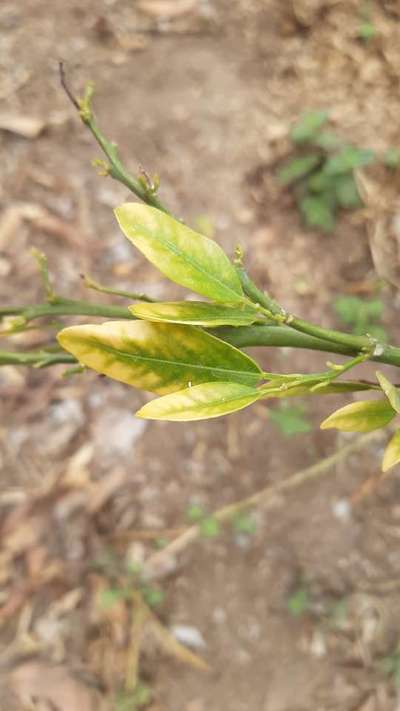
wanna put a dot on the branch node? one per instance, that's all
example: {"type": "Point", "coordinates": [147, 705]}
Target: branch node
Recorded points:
{"type": "Point", "coordinates": [41, 261]}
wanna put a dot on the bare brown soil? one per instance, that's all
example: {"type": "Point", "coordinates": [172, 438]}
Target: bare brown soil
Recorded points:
{"type": "Point", "coordinates": [204, 95]}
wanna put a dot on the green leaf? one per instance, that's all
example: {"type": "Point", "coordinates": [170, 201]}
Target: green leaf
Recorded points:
{"type": "Point", "coordinates": [374, 308]}
{"type": "Point", "coordinates": [367, 31]}
{"type": "Point", "coordinates": [377, 332]}
{"type": "Point", "coordinates": [392, 452]}
{"type": "Point", "coordinates": [317, 213]}
{"type": "Point", "coordinates": [184, 256]}
{"type": "Point", "coordinates": [299, 602]}
{"type": "Point", "coordinates": [390, 391]}
{"type": "Point", "coordinates": [244, 522]}
{"type": "Point", "coordinates": [158, 357]}
{"type": "Point", "coordinates": [197, 313]}
{"type": "Point", "coordinates": [347, 160]}
{"type": "Point", "coordinates": [195, 513]}
{"type": "Point", "coordinates": [297, 168]}
{"type": "Point", "coordinates": [200, 402]}
{"type": "Point", "coordinates": [209, 527]}
{"type": "Point", "coordinates": [133, 700]}
{"type": "Point", "coordinates": [392, 158]}
{"type": "Point", "coordinates": [346, 192]}
{"type": "Point", "coordinates": [290, 419]}
{"type": "Point", "coordinates": [348, 308]}
{"type": "Point", "coordinates": [308, 126]}
{"type": "Point", "coordinates": [154, 597]}
{"type": "Point", "coordinates": [360, 314]}
{"type": "Point", "coordinates": [108, 598]}
{"type": "Point", "coordinates": [363, 416]}
{"type": "Point", "coordinates": [320, 182]}
{"type": "Point", "coordinates": [326, 140]}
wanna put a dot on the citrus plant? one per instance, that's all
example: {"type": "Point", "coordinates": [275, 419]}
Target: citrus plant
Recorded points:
{"type": "Point", "coordinates": [189, 353]}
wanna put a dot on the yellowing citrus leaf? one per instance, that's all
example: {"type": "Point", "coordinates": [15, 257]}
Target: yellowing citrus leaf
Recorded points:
{"type": "Point", "coordinates": [390, 391]}
{"type": "Point", "coordinates": [363, 416]}
{"type": "Point", "coordinates": [200, 402]}
{"type": "Point", "coordinates": [158, 357]}
{"type": "Point", "coordinates": [184, 256]}
{"type": "Point", "coordinates": [197, 313]}
{"type": "Point", "coordinates": [392, 452]}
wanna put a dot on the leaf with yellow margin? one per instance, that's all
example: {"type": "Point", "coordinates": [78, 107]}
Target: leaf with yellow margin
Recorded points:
{"type": "Point", "coordinates": [158, 357]}
{"type": "Point", "coordinates": [200, 402]}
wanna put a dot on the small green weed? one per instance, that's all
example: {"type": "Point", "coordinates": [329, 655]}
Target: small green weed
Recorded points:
{"type": "Point", "coordinates": [361, 315]}
{"type": "Point", "coordinates": [290, 419]}
{"type": "Point", "coordinates": [244, 523]}
{"type": "Point", "coordinates": [321, 173]}
{"type": "Point", "coordinates": [390, 666]}
{"type": "Point", "coordinates": [367, 30]}
{"type": "Point", "coordinates": [140, 697]}
{"type": "Point", "coordinates": [208, 525]}
{"type": "Point", "coordinates": [299, 602]}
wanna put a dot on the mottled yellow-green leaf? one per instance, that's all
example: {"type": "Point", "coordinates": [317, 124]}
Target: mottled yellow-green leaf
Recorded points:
{"type": "Point", "coordinates": [363, 416]}
{"type": "Point", "coordinates": [392, 452]}
{"type": "Point", "coordinates": [184, 256]}
{"type": "Point", "coordinates": [390, 391]}
{"type": "Point", "coordinates": [197, 313]}
{"type": "Point", "coordinates": [158, 357]}
{"type": "Point", "coordinates": [200, 402]}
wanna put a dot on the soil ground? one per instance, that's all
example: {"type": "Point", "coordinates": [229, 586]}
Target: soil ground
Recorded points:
{"type": "Point", "coordinates": [204, 94]}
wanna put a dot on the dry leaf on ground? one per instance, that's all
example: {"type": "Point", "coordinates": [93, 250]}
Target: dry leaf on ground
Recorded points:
{"type": "Point", "coordinates": [167, 8]}
{"type": "Point", "coordinates": [55, 685]}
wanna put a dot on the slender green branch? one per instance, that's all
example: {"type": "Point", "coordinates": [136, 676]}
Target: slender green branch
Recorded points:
{"type": "Point", "coordinates": [37, 359]}
{"type": "Point", "coordinates": [10, 310]}
{"type": "Point", "coordinates": [142, 187]}
{"type": "Point", "coordinates": [60, 307]}
{"type": "Point", "coordinates": [134, 295]}
{"type": "Point", "coordinates": [356, 344]}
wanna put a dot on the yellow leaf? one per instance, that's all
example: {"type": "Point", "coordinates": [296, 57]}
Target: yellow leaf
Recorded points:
{"type": "Point", "coordinates": [197, 313]}
{"type": "Point", "coordinates": [363, 416]}
{"type": "Point", "coordinates": [200, 402]}
{"type": "Point", "coordinates": [392, 452]}
{"type": "Point", "coordinates": [390, 391]}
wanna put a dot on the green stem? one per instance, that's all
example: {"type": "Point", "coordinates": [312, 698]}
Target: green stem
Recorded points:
{"type": "Point", "coordinates": [117, 170]}
{"type": "Point", "coordinates": [276, 313]}
{"type": "Point", "coordinates": [38, 359]}
{"type": "Point", "coordinates": [133, 295]}
{"type": "Point", "coordinates": [355, 342]}
{"type": "Point", "coordinates": [142, 188]}
{"type": "Point", "coordinates": [63, 307]}
{"type": "Point", "coordinates": [255, 294]}
{"type": "Point", "coordinates": [285, 337]}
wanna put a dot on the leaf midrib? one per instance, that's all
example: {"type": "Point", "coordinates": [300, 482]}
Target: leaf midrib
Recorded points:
{"type": "Point", "coordinates": [195, 264]}
{"type": "Point", "coordinates": [205, 406]}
